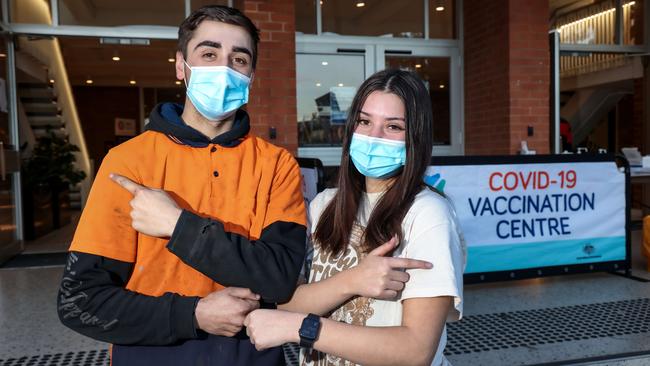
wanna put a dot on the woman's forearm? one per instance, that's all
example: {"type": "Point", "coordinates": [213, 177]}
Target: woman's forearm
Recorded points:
{"type": "Point", "coordinates": [400, 345]}
{"type": "Point", "coordinates": [414, 342]}
{"type": "Point", "coordinates": [322, 296]}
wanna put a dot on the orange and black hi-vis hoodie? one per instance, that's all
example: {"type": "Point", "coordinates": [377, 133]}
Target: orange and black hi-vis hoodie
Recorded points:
{"type": "Point", "coordinates": [243, 224]}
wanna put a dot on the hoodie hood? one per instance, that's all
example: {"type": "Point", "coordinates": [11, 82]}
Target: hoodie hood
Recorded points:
{"type": "Point", "coordinates": [166, 118]}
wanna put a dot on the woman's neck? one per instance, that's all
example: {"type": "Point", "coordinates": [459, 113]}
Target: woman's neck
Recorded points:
{"type": "Point", "coordinates": [378, 185]}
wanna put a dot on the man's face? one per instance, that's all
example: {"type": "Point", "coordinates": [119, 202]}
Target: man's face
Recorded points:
{"type": "Point", "coordinates": [217, 44]}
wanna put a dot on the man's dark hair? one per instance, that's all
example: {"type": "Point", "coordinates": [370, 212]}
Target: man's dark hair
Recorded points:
{"type": "Point", "coordinates": [217, 13]}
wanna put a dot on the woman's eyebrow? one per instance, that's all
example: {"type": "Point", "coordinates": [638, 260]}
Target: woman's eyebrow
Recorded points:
{"type": "Point", "coordinates": [388, 118]}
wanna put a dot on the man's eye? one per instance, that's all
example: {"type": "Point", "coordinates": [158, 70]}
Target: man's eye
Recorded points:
{"type": "Point", "coordinates": [209, 55]}
{"type": "Point", "coordinates": [241, 61]}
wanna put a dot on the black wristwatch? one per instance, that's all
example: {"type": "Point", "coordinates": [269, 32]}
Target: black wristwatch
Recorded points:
{"type": "Point", "coordinates": [309, 330]}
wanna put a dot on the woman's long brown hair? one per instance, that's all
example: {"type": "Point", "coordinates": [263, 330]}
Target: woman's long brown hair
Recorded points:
{"type": "Point", "coordinates": [336, 221]}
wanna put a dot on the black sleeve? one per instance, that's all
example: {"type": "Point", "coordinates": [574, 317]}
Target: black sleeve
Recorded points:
{"type": "Point", "coordinates": [93, 301]}
{"type": "Point", "coordinates": [268, 266]}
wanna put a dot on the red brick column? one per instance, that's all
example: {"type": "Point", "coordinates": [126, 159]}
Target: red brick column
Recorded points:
{"type": "Point", "coordinates": [506, 76]}
{"type": "Point", "coordinates": [272, 101]}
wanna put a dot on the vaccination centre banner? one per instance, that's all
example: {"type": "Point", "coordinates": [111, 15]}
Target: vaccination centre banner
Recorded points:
{"type": "Point", "coordinates": [531, 212]}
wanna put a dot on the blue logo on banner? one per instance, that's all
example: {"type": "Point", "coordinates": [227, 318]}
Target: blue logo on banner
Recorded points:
{"type": "Point", "coordinates": [435, 182]}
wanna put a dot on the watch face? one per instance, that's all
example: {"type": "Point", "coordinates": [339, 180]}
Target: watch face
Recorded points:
{"type": "Point", "coordinates": [309, 328]}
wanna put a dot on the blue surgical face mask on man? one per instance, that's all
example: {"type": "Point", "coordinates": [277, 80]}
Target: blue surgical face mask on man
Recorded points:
{"type": "Point", "coordinates": [375, 157]}
{"type": "Point", "coordinates": [217, 91]}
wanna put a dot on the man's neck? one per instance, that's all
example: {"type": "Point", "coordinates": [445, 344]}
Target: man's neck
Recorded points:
{"type": "Point", "coordinates": [210, 129]}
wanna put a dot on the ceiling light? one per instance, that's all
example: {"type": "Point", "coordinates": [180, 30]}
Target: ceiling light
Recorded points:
{"type": "Point", "coordinates": [116, 56]}
{"type": "Point", "coordinates": [178, 82]}
{"type": "Point", "coordinates": [51, 81]}
{"type": "Point", "coordinates": [321, 2]}
{"type": "Point", "coordinates": [361, 4]}
{"type": "Point", "coordinates": [417, 66]}
{"type": "Point", "coordinates": [3, 55]}
{"type": "Point", "coordinates": [317, 84]}
{"type": "Point", "coordinates": [89, 81]}
{"type": "Point", "coordinates": [340, 84]}
{"type": "Point", "coordinates": [171, 59]}
{"type": "Point", "coordinates": [442, 86]}
{"type": "Point", "coordinates": [440, 8]}
{"type": "Point", "coordinates": [132, 82]}
{"type": "Point", "coordinates": [324, 63]}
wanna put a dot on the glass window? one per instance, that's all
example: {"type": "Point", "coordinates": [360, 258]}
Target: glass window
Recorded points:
{"type": "Point", "coordinates": [633, 22]}
{"type": "Point", "coordinates": [306, 16]}
{"type": "Point", "coordinates": [5, 130]}
{"type": "Point", "coordinates": [434, 71]}
{"type": "Point", "coordinates": [8, 217]}
{"type": "Point", "coordinates": [587, 63]}
{"type": "Point", "coordinates": [326, 85]}
{"type": "Point", "coordinates": [601, 102]}
{"type": "Point", "coordinates": [596, 24]}
{"type": "Point", "coordinates": [385, 18]}
{"type": "Point", "coordinates": [442, 19]}
{"type": "Point", "coordinates": [87, 58]}
{"type": "Point", "coordinates": [121, 12]}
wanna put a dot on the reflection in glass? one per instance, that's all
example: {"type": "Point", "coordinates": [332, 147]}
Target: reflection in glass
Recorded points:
{"type": "Point", "coordinates": [149, 65]}
{"type": "Point", "coordinates": [434, 71]}
{"type": "Point", "coordinates": [442, 19]}
{"type": "Point", "coordinates": [121, 12]}
{"type": "Point", "coordinates": [633, 22]}
{"type": "Point", "coordinates": [5, 131]}
{"type": "Point", "coordinates": [306, 16]}
{"type": "Point", "coordinates": [598, 100]}
{"type": "Point", "coordinates": [7, 210]}
{"type": "Point", "coordinates": [596, 24]}
{"type": "Point", "coordinates": [585, 63]}
{"type": "Point", "coordinates": [326, 85]}
{"type": "Point", "coordinates": [384, 18]}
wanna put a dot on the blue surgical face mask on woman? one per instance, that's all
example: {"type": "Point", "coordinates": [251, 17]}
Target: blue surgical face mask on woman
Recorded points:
{"type": "Point", "coordinates": [375, 157]}
{"type": "Point", "coordinates": [217, 91]}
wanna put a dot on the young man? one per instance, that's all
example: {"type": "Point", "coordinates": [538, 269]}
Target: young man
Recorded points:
{"type": "Point", "coordinates": [162, 301]}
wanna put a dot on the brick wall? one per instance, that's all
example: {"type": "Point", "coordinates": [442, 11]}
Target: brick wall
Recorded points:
{"type": "Point", "coordinates": [529, 74]}
{"type": "Point", "coordinates": [486, 77]}
{"type": "Point", "coordinates": [506, 76]}
{"type": "Point", "coordinates": [272, 101]}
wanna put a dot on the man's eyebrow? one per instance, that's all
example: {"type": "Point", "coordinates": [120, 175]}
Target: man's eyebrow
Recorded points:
{"type": "Point", "coordinates": [242, 50]}
{"type": "Point", "coordinates": [208, 44]}
{"type": "Point", "coordinates": [218, 45]}
{"type": "Point", "coordinates": [388, 119]}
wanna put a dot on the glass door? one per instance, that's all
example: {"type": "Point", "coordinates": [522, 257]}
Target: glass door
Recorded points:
{"type": "Point", "coordinates": [439, 68]}
{"type": "Point", "coordinates": [328, 74]}
{"type": "Point", "coordinates": [10, 203]}
{"type": "Point", "coordinates": [327, 77]}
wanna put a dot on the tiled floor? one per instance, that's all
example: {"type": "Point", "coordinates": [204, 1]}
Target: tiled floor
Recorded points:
{"type": "Point", "coordinates": [29, 325]}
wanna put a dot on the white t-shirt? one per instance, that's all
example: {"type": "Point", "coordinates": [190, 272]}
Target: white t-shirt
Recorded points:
{"type": "Point", "coordinates": [431, 233]}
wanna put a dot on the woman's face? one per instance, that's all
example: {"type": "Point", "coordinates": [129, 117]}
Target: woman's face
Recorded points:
{"type": "Point", "coordinates": [382, 115]}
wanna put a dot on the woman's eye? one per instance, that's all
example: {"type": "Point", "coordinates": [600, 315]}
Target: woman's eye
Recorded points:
{"type": "Point", "coordinates": [209, 55]}
{"type": "Point", "coordinates": [363, 122]}
{"type": "Point", "coordinates": [395, 127]}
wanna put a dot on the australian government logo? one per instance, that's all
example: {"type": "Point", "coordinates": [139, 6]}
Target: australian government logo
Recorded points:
{"type": "Point", "coordinates": [589, 251]}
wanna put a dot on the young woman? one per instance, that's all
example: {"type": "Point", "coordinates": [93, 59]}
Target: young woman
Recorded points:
{"type": "Point", "coordinates": [382, 207]}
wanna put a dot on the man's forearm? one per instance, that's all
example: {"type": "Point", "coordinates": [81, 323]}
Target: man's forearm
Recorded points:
{"type": "Point", "coordinates": [92, 300]}
{"type": "Point", "coordinates": [268, 266]}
